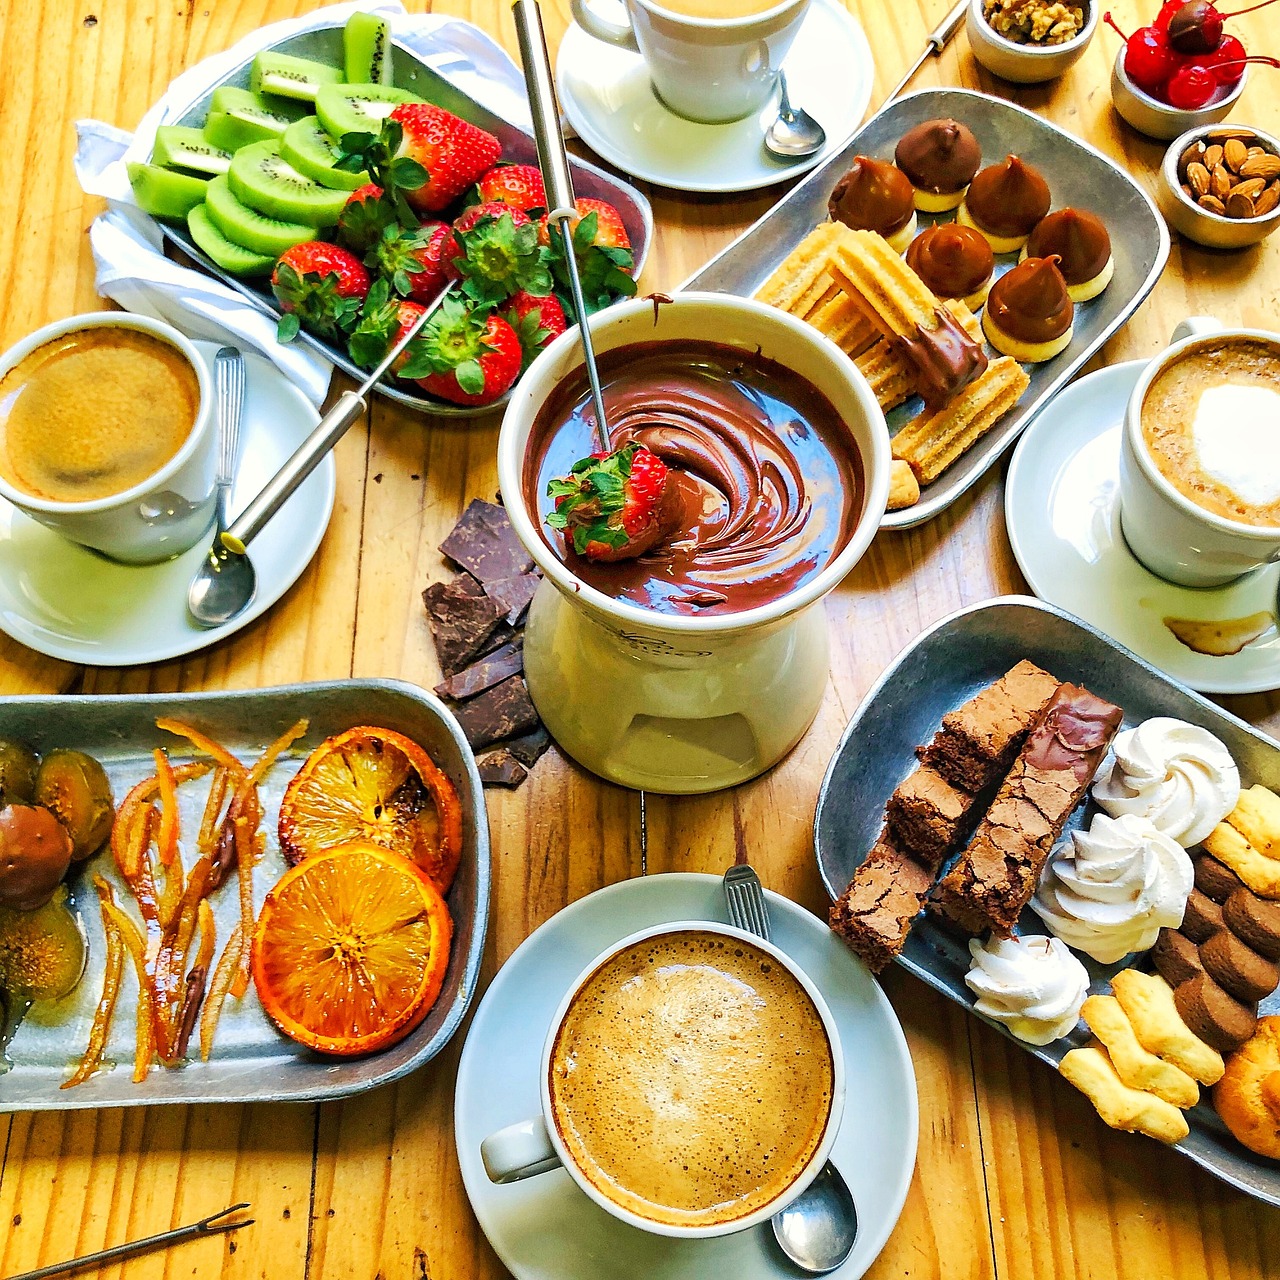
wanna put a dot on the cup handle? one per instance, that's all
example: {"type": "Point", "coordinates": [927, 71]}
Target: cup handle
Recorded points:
{"type": "Point", "coordinates": [619, 33]}
{"type": "Point", "coordinates": [1195, 327]}
{"type": "Point", "coordinates": [519, 1151]}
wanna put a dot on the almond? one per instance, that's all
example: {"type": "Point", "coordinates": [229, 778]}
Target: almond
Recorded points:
{"type": "Point", "coordinates": [1252, 187]}
{"type": "Point", "coordinates": [1221, 181]}
{"type": "Point", "coordinates": [1212, 155]}
{"type": "Point", "coordinates": [1198, 178]}
{"type": "Point", "coordinates": [1261, 166]}
{"type": "Point", "coordinates": [1256, 151]}
{"type": "Point", "coordinates": [1234, 153]}
{"type": "Point", "coordinates": [1195, 153]}
{"type": "Point", "coordinates": [1267, 201]}
{"type": "Point", "coordinates": [1239, 206]}
{"type": "Point", "coordinates": [1212, 203]}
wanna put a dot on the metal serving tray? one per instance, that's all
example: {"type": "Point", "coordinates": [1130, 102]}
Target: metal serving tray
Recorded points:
{"type": "Point", "coordinates": [251, 1061]}
{"type": "Point", "coordinates": [1077, 175]}
{"type": "Point", "coordinates": [944, 667]}
{"type": "Point", "coordinates": [325, 45]}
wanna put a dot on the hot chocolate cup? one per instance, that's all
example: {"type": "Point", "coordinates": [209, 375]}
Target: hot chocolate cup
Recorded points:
{"type": "Point", "coordinates": [1169, 533]}
{"type": "Point", "coordinates": [163, 515]}
{"type": "Point", "coordinates": [535, 1146]}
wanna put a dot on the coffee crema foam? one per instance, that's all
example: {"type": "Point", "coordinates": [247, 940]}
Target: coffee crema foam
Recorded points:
{"type": "Point", "coordinates": [691, 1079]}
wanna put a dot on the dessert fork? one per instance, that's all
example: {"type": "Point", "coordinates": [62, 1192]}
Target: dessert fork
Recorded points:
{"type": "Point", "coordinates": [745, 895]}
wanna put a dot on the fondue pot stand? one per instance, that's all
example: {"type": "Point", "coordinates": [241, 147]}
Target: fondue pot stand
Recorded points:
{"type": "Point", "coordinates": [669, 702]}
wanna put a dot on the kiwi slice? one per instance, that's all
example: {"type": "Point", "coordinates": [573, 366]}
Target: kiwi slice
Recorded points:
{"type": "Point", "coordinates": [264, 180]}
{"type": "Point", "coordinates": [358, 108]}
{"type": "Point", "coordinates": [307, 146]}
{"type": "Point", "coordinates": [277, 112]}
{"type": "Point", "coordinates": [179, 147]}
{"type": "Point", "coordinates": [290, 77]}
{"type": "Point", "coordinates": [366, 48]}
{"type": "Point", "coordinates": [163, 193]}
{"type": "Point", "coordinates": [230, 133]}
{"type": "Point", "coordinates": [231, 257]}
{"type": "Point", "coordinates": [248, 227]}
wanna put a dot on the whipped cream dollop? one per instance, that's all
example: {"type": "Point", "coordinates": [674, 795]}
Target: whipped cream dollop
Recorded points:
{"type": "Point", "coordinates": [1110, 890]}
{"type": "Point", "coordinates": [1178, 775]}
{"type": "Point", "coordinates": [1033, 985]}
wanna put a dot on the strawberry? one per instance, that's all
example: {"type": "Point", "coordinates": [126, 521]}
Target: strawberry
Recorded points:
{"type": "Point", "coordinates": [319, 287]}
{"type": "Point", "coordinates": [364, 217]}
{"type": "Point", "coordinates": [494, 251]}
{"type": "Point", "coordinates": [466, 355]}
{"type": "Point", "coordinates": [413, 261]}
{"type": "Point", "coordinates": [519, 185]}
{"type": "Point", "coordinates": [538, 321]}
{"type": "Point", "coordinates": [383, 322]}
{"type": "Point", "coordinates": [602, 248]}
{"type": "Point", "coordinates": [615, 506]}
{"type": "Point", "coordinates": [452, 152]}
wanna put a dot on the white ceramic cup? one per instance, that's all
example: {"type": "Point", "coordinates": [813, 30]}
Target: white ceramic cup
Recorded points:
{"type": "Point", "coordinates": [166, 513]}
{"type": "Point", "coordinates": [535, 1146]}
{"type": "Point", "coordinates": [1172, 536]}
{"type": "Point", "coordinates": [707, 69]}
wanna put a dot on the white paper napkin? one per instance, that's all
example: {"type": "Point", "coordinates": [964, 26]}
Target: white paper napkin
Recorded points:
{"type": "Point", "coordinates": [127, 246]}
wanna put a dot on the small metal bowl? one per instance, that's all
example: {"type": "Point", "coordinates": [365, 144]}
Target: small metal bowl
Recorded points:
{"type": "Point", "coordinates": [1027, 63]}
{"type": "Point", "coordinates": [1157, 119]}
{"type": "Point", "coordinates": [1203, 225]}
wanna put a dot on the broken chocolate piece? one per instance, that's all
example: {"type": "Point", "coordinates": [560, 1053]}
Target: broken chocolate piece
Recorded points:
{"type": "Point", "coordinates": [484, 543]}
{"type": "Point", "coordinates": [500, 712]}
{"type": "Point", "coordinates": [460, 623]}
{"type": "Point", "coordinates": [483, 674]}
{"type": "Point", "coordinates": [529, 747]}
{"type": "Point", "coordinates": [513, 594]}
{"type": "Point", "coordinates": [501, 769]}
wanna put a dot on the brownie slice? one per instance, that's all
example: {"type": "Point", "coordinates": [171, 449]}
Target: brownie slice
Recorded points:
{"type": "Point", "coordinates": [997, 874]}
{"type": "Point", "coordinates": [978, 741]}
{"type": "Point", "coordinates": [928, 817]}
{"type": "Point", "coordinates": [875, 912]}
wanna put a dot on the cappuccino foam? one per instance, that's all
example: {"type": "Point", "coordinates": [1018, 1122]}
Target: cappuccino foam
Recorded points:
{"type": "Point", "coordinates": [691, 1080]}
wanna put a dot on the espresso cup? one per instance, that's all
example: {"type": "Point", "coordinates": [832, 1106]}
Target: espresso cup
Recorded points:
{"type": "Point", "coordinates": [162, 515]}
{"type": "Point", "coordinates": [538, 1146]}
{"type": "Point", "coordinates": [1171, 535]}
{"type": "Point", "coordinates": [709, 69]}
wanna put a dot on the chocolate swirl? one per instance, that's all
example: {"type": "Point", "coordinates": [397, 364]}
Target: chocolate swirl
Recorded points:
{"type": "Point", "coordinates": [1030, 301]}
{"type": "Point", "coordinates": [770, 483]}
{"type": "Point", "coordinates": [953, 260]}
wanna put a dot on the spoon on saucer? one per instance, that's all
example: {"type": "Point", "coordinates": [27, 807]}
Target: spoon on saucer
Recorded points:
{"type": "Point", "coordinates": [817, 1230]}
{"type": "Point", "coordinates": [795, 134]}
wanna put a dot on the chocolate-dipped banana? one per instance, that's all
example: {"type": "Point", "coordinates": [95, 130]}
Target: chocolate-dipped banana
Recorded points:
{"type": "Point", "coordinates": [954, 261]}
{"type": "Point", "coordinates": [1004, 202]}
{"type": "Point", "coordinates": [1081, 243]}
{"type": "Point", "coordinates": [1029, 312]}
{"type": "Point", "coordinates": [940, 158]}
{"type": "Point", "coordinates": [874, 196]}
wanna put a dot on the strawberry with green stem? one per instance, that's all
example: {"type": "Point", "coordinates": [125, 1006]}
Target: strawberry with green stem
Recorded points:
{"type": "Point", "coordinates": [466, 354]}
{"type": "Point", "coordinates": [413, 261]}
{"type": "Point", "coordinates": [538, 321]}
{"type": "Point", "coordinates": [602, 249]}
{"type": "Point", "coordinates": [364, 218]}
{"type": "Point", "coordinates": [495, 251]}
{"type": "Point", "coordinates": [519, 185]}
{"type": "Point", "coordinates": [394, 175]}
{"type": "Point", "coordinates": [384, 320]}
{"type": "Point", "coordinates": [320, 287]}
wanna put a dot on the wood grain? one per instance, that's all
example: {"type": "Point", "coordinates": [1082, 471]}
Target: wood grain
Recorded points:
{"type": "Point", "coordinates": [1016, 1178]}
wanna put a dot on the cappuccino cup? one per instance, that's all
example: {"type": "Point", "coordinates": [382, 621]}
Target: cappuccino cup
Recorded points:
{"type": "Point", "coordinates": [709, 60]}
{"type": "Point", "coordinates": [692, 1084]}
{"type": "Point", "coordinates": [1200, 456]}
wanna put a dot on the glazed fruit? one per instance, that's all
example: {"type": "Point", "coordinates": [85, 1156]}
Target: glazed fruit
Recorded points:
{"type": "Point", "coordinates": [74, 787]}
{"type": "Point", "coordinates": [18, 766]}
{"type": "Point", "coordinates": [42, 952]}
{"type": "Point", "coordinates": [35, 852]}
{"type": "Point", "coordinates": [321, 286]}
{"type": "Point", "coordinates": [464, 356]}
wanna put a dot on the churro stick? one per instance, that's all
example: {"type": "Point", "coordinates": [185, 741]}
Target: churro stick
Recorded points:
{"type": "Point", "coordinates": [845, 325]}
{"type": "Point", "coordinates": [801, 268]}
{"type": "Point", "coordinates": [1133, 1110]}
{"type": "Point", "coordinates": [934, 440]}
{"type": "Point", "coordinates": [812, 305]}
{"type": "Point", "coordinates": [892, 376]}
{"type": "Point", "coordinates": [904, 490]}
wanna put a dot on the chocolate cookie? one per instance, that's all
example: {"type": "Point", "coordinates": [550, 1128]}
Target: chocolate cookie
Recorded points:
{"type": "Point", "coordinates": [1176, 958]}
{"type": "Point", "coordinates": [1214, 880]}
{"type": "Point", "coordinates": [1203, 917]}
{"type": "Point", "coordinates": [1238, 969]}
{"type": "Point", "coordinates": [1218, 1019]}
{"type": "Point", "coordinates": [1254, 920]}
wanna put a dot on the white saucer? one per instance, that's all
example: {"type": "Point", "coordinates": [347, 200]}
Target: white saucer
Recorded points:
{"type": "Point", "coordinates": [606, 94]}
{"type": "Point", "coordinates": [1063, 514]}
{"type": "Point", "coordinates": [545, 1228]}
{"type": "Point", "coordinates": [65, 601]}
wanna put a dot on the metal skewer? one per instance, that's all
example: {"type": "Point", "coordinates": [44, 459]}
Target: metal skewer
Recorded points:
{"type": "Point", "coordinates": [210, 1226]}
{"type": "Point", "coordinates": [936, 41]}
{"type": "Point", "coordinates": [554, 163]}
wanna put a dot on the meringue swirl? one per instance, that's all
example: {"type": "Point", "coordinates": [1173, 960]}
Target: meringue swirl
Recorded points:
{"type": "Point", "coordinates": [1033, 985]}
{"type": "Point", "coordinates": [1110, 890]}
{"type": "Point", "coordinates": [1176, 774]}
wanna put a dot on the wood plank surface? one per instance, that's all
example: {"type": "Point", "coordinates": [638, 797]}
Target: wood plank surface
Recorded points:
{"type": "Point", "coordinates": [1016, 1178]}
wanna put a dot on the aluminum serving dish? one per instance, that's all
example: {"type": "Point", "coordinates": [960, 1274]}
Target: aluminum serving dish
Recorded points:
{"type": "Point", "coordinates": [942, 668]}
{"type": "Point", "coordinates": [325, 45]}
{"type": "Point", "coordinates": [1077, 175]}
{"type": "Point", "coordinates": [251, 1061]}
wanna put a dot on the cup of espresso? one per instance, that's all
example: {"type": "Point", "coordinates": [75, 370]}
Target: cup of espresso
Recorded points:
{"type": "Point", "coordinates": [709, 60]}
{"type": "Point", "coordinates": [1200, 459]}
{"type": "Point", "coordinates": [106, 435]}
{"type": "Point", "coordinates": [692, 1083]}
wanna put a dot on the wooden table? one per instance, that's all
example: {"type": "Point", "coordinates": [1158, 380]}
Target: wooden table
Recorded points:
{"type": "Point", "coordinates": [1016, 1176]}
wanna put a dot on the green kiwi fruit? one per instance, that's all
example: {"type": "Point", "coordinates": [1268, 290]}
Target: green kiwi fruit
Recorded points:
{"type": "Point", "coordinates": [180, 147]}
{"type": "Point", "coordinates": [290, 77]}
{"type": "Point", "coordinates": [163, 193]}
{"type": "Point", "coordinates": [264, 180]}
{"type": "Point", "coordinates": [230, 133]}
{"type": "Point", "coordinates": [248, 227]}
{"type": "Point", "coordinates": [358, 108]}
{"type": "Point", "coordinates": [366, 48]}
{"type": "Point", "coordinates": [248, 105]}
{"type": "Point", "coordinates": [230, 256]}
{"type": "Point", "coordinates": [308, 147]}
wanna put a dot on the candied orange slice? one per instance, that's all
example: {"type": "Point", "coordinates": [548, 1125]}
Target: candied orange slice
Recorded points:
{"type": "Point", "coordinates": [375, 785]}
{"type": "Point", "coordinates": [351, 949]}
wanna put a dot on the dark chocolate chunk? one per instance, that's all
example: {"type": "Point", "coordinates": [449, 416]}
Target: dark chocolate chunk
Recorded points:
{"type": "Point", "coordinates": [484, 543]}
{"type": "Point", "coordinates": [501, 769]}
{"type": "Point", "coordinates": [500, 712]}
{"type": "Point", "coordinates": [513, 594]}
{"type": "Point", "coordinates": [528, 749]}
{"type": "Point", "coordinates": [460, 622]}
{"type": "Point", "coordinates": [484, 674]}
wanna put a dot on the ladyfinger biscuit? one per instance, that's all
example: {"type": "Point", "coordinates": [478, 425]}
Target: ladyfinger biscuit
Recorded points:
{"type": "Point", "coordinates": [1148, 1003]}
{"type": "Point", "coordinates": [933, 441]}
{"type": "Point", "coordinates": [1255, 921]}
{"type": "Point", "coordinates": [1214, 880]}
{"type": "Point", "coordinates": [1257, 818]}
{"type": "Point", "coordinates": [1134, 1065]}
{"type": "Point", "coordinates": [805, 264]}
{"type": "Point", "coordinates": [1238, 969]}
{"type": "Point", "coordinates": [1121, 1107]}
{"type": "Point", "coordinates": [1259, 873]}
